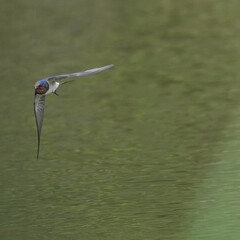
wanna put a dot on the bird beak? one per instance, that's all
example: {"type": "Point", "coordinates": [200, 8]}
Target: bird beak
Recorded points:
{"type": "Point", "coordinates": [37, 85]}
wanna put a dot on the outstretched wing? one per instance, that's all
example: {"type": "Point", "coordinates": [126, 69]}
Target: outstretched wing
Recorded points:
{"type": "Point", "coordinates": [39, 103]}
{"type": "Point", "coordinates": [80, 74]}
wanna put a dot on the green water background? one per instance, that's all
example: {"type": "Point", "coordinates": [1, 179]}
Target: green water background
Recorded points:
{"type": "Point", "coordinates": [147, 150]}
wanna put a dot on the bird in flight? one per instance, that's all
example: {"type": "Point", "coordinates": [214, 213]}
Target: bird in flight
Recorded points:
{"type": "Point", "coordinates": [49, 85]}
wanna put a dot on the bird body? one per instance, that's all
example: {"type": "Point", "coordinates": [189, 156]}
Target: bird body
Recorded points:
{"type": "Point", "coordinates": [44, 87]}
{"type": "Point", "coordinates": [53, 85]}
{"type": "Point", "coordinates": [49, 85]}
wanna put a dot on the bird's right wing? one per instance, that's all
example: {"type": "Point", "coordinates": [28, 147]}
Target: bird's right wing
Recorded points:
{"type": "Point", "coordinates": [80, 74]}
{"type": "Point", "coordinates": [39, 103]}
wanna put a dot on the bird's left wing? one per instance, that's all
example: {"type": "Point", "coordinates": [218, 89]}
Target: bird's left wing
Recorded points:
{"type": "Point", "coordinates": [39, 103]}
{"type": "Point", "coordinates": [80, 74]}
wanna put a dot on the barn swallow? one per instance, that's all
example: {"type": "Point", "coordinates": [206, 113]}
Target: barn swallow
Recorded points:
{"type": "Point", "coordinates": [49, 85]}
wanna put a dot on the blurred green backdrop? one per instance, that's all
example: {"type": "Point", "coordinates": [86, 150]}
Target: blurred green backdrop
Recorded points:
{"type": "Point", "coordinates": [147, 150]}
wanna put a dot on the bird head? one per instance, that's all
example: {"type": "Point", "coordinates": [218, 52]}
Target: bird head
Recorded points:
{"type": "Point", "coordinates": [41, 87]}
